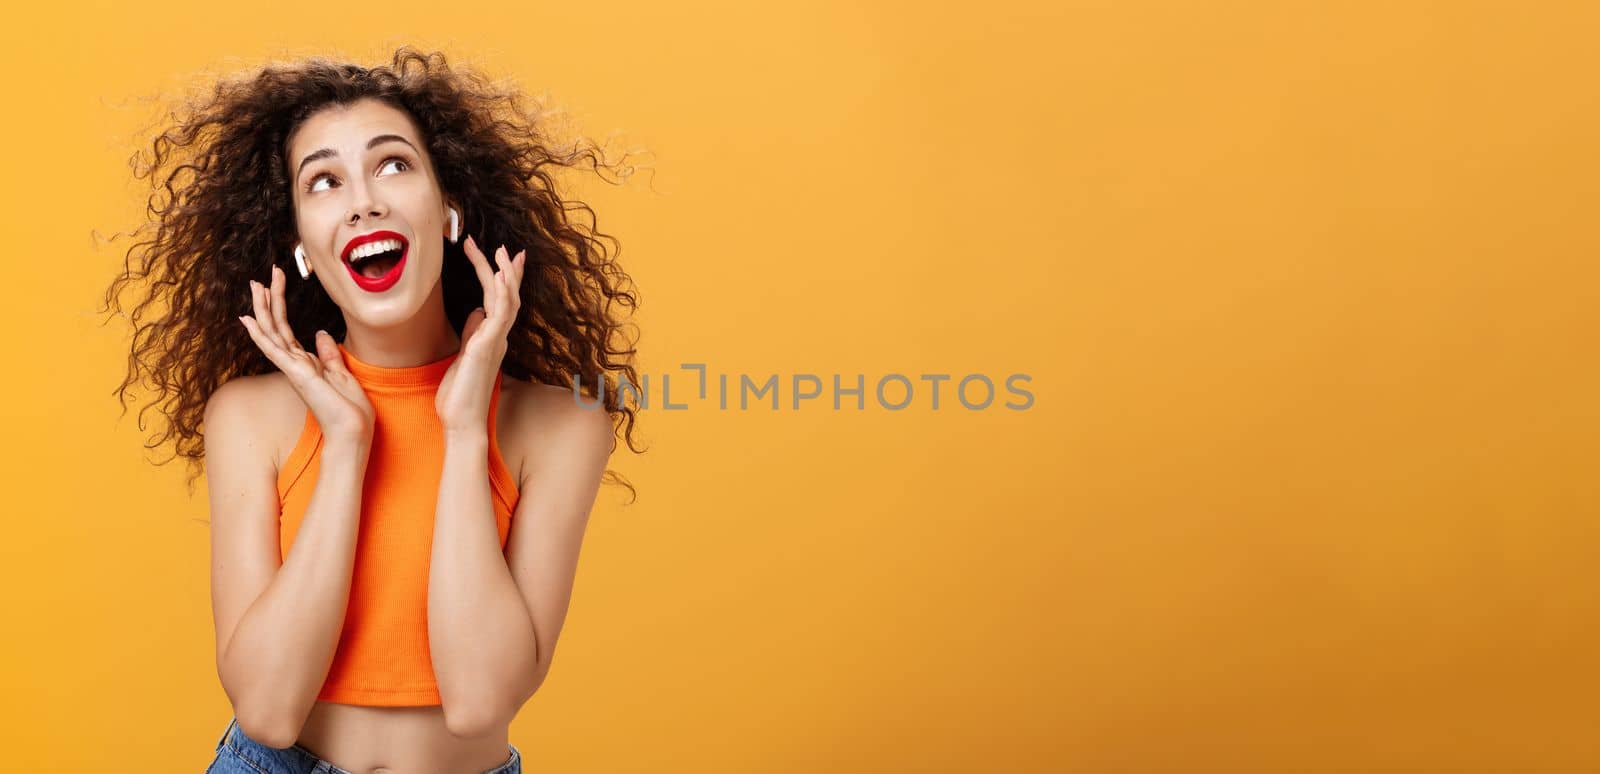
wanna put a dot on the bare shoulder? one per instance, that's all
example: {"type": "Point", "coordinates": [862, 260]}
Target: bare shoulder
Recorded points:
{"type": "Point", "coordinates": [269, 408]}
{"type": "Point", "coordinates": [536, 420]}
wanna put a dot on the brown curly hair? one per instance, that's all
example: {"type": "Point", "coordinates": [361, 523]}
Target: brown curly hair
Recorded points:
{"type": "Point", "coordinates": [223, 213]}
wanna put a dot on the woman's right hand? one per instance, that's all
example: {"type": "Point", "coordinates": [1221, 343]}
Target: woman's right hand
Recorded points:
{"type": "Point", "coordinates": [324, 383]}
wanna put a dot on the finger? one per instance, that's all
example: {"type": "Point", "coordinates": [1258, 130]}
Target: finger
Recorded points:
{"type": "Point", "coordinates": [502, 261]}
{"type": "Point", "coordinates": [507, 273]}
{"type": "Point", "coordinates": [280, 313]}
{"type": "Point", "coordinates": [508, 303]}
{"type": "Point", "coordinates": [471, 327]}
{"type": "Point", "coordinates": [263, 315]}
{"type": "Point", "coordinates": [516, 283]}
{"type": "Point", "coordinates": [333, 359]}
{"type": "Point", "coordinates": [267, 347]}
{"type": "Point", "coordinates": [328, 351]}
{"type": "Point", "coordinates": [481, 265]}
{"type": "Point", "coordinates": [474, 321]}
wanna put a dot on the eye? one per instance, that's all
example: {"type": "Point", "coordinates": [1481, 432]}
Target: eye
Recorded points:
{"type": "Point", "coordinates": [311, 185]}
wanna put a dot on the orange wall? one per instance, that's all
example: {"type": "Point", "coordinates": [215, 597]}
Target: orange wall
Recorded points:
{"type": "Point", "coordinates": [1307, 294]}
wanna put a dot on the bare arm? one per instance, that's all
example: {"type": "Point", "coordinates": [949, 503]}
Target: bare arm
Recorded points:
{"type": "Point", "coordinates": [277, 626]}
{"type": "Point", "coordinates": [479, 632]}
{"type": "Point", "coordinates": [494, 619]}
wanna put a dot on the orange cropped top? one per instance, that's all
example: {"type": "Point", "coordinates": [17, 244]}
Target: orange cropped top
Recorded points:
{"type": "Point", "coordinates": [382, 657]}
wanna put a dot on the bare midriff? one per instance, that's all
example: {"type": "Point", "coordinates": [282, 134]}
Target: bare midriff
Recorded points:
{"type": "Point", "coordinates": [398, 740]}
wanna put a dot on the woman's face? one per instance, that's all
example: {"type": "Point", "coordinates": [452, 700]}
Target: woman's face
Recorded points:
{"type": "Point", "coordinates": [360, 169]}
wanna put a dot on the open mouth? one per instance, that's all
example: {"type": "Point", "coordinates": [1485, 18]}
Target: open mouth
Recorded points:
{"type": "Point", "coordinates": [377, 265]}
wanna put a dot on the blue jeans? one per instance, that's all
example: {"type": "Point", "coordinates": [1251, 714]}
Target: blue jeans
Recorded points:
{"type": "Point", "coordinates": [239, 754]}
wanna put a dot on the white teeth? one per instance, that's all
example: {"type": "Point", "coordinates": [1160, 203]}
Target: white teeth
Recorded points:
{"type": "Point", "coordinates": [374, 247]}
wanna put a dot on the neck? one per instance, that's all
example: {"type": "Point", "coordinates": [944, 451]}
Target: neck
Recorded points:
{"type": "Point", "coordinates": [424, 338]}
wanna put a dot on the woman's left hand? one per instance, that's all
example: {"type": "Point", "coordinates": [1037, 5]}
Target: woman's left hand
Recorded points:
{"type": "Point", "coordinates": [463, 397]}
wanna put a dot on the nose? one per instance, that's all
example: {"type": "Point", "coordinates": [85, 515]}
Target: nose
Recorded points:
{"type": "Point", "coordinates": [363, 203]}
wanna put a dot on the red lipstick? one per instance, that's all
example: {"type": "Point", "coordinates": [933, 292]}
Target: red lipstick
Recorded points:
{"type": "Point", "coordinates": [390, 277]}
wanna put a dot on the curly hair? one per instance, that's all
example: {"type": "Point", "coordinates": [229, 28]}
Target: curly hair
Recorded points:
{"type": "Point", "coordinates": [227, 215]}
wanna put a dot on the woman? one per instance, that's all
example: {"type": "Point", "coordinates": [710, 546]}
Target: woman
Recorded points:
{"type": "Point", "coordinates": [379, 330]}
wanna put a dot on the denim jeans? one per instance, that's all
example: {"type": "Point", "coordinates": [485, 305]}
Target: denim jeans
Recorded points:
{"type": "Point", "coordinates": [239, 754]}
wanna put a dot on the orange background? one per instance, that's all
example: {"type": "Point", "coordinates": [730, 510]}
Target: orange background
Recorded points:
{"type": "Point", "coordinates": [1307, 293]}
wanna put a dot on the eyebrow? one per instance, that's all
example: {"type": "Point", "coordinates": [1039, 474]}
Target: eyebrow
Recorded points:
{"type": "Point", "coordinates": [329, 152]}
